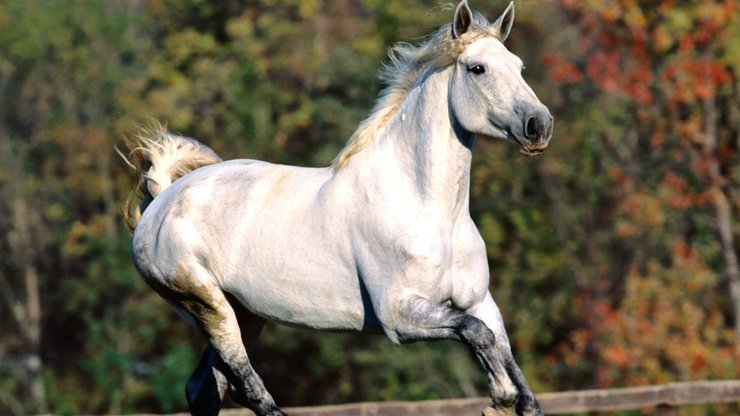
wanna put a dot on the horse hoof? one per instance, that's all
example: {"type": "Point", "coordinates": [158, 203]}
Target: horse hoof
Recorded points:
{"type": "Point", "coordinates": [528, 406]}
{"type": "Point", "coordinates": [499, 411]}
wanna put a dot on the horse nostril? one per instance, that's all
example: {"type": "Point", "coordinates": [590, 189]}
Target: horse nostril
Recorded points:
{"type": "Point", "coordinates": [530, 128]}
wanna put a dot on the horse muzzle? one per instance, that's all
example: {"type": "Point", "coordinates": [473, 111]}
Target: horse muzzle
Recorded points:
{"type": "Point", "coordinates": [537, 128]}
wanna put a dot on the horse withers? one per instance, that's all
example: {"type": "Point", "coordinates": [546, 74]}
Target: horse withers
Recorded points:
{"type": "Point", "coordinates": [385, 237]}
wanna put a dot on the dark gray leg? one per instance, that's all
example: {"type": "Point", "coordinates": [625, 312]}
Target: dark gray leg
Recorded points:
{"type": "Point", "coordinates": [488, 312]}
{"type": "Point", "coordinates": [421, 319]}
{"type": "Point", "coordinates": [527, 403]}
{"type": "Point", "coordinates": [206, 387]}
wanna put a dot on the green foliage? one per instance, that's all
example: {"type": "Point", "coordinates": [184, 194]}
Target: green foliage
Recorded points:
{"type": "Point", "coordinates": [351, 368]}
{"type": "Point", "coordinates": [605, 253]}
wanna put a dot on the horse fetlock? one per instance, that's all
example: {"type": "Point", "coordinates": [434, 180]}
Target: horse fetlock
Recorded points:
{"type": "Point", "coordinates": [257, 400]}
{"type": "Point", "coordinates": [477, 334]}
{"type": "Point", "coordinates": [503, 390]}
{"type": "Point", "coordinates": [269, 410]}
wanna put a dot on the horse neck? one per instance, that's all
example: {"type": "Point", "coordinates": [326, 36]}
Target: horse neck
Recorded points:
{"type": "Point", "coordinates": [427, 147]}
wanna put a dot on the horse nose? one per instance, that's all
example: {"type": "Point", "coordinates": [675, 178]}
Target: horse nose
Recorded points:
{"type": "Point", "coordinates": [538, 126]}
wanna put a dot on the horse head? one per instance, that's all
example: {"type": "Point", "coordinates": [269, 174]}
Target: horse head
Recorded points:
{"type": "Point", "coordinates": [488, 95]}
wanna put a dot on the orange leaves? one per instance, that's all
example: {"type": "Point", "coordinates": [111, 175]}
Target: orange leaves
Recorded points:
{"type": "Point", "coordinates": [617, 175]}
{"type": "Point", "coordinates": [632, 50]}
{"type": "Point", "coordinates": [640, 213]}
{"type": "Point", "coordinates": [616, 355]}
{"type": "Point", "coordinates": [636, 84]}
{"type": "Point", "coordinates": [561, 70]}
{"type": "Point", "coordinates": [664, 124]}
{"type": "Point", "coordinates": [694, 79]}
{"type": "Point", "coordinates": [676, 193]}
{"type": "Point", "coordinates": [661, 39]}
{"type": "Point", "coordinates": [603, 69]}
{"type": "Point", "coordinates": [609, 11]}
{"type": "Point", "coordinates": [718, 13]}
{"type": "Point", "coordinates": [659, 328]}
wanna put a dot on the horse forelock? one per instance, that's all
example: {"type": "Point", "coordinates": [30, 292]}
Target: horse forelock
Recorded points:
{"type": "Point", "coordinates": [407, 65]}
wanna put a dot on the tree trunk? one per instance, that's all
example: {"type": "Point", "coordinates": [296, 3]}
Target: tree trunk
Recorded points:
{"type": "Point", "coordinates": [729, 254]}
{"type": "Point", "coordinates": [723, 211]}
{"type": "Point", "coordinates": [26, 307]}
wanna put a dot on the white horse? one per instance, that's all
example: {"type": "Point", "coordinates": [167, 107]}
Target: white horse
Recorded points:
{"type": "Point", "coordinates": [381, 241]}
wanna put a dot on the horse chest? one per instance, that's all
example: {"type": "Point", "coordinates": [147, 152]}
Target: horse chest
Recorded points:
{"type": "Point", "coordinates": [441, 261]}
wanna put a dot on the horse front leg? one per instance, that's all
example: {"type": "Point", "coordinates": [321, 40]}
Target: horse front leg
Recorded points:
{"type": "Point", "coordinates": [421, 319]}
{"type": "Point", "coordinates": [488, 312]}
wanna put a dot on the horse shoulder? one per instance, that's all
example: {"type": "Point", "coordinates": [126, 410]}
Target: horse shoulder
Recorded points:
{"type": "Point", "coordinates": [399, 256]}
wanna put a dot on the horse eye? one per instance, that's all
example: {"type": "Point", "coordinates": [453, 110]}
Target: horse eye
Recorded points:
{"type": "Point", "coordinates": [477, 69]}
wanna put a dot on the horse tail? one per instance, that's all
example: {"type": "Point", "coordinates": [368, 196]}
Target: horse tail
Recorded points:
{"type": "Point", "coordinates": [159, 159]}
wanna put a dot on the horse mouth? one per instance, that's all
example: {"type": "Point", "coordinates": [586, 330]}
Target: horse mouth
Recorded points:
{"type": "Point", "coordinates": [530, 149]}
{"type": "Point", "coordinates": [533, 149]}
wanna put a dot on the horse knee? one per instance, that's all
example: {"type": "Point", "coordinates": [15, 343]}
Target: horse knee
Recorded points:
{"type": "Point", "coordinates": [494, 358]}
{"type": "Point", "coordinates": [476, 333]}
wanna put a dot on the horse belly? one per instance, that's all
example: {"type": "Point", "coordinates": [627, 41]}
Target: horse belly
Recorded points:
{"type": "Point", "coordinates": [296, 296]}
{"type": "Point", "coordinates": [293, 273]}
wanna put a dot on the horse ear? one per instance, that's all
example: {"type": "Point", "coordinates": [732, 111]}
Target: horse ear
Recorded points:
{"type": "Point", "coordinates": [461, 21]}
{"type": "Point", "coordinates": [505, 21]}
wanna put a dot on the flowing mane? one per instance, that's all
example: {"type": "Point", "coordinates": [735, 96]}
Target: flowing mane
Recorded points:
{"type": "Point", "coordinates": [408, 64]}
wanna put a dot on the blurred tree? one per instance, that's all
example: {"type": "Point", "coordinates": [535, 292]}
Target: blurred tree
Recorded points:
{"type": "Point", "coordinates": [19, 279]}
{"type": "Point", "coordinates": [660, 79]}
{"type": "Point", "coordinates": [257, 79]}
{"type": "Point", "coordinates": [66, 275]}
{"type": "Point", "coordinates": [612, 256]}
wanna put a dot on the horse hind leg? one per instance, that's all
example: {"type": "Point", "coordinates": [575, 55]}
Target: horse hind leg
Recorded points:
{"type": "Point", "coordinates": [208, 305]}
{"type": "Point", "coordinates": [207, 386]}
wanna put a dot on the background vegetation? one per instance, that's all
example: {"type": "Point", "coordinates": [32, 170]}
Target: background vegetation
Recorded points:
{"type": "Point", "coordinates": [614, 256]}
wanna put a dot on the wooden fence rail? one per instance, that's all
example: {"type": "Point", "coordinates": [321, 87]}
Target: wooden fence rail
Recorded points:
{"type": "Point", "coordinates": [664, 398]}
